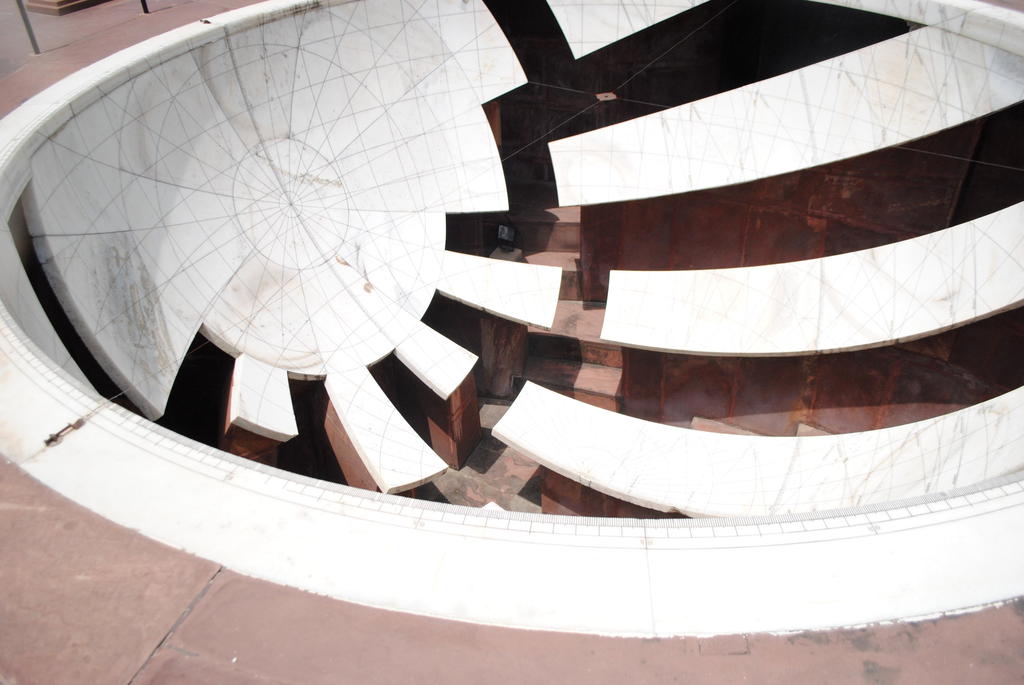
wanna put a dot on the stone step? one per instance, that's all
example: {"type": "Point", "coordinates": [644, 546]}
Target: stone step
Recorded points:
{"type": "Point", "coordinates": [717, 426]}
{"type": "Point", "coordinates": [540, 214]}
{"type": "Point", "coordinates": [594, 384]}
{"type": "Point", "coordinates": [555, 229]}
{"type": "Point", "coordinates": [575, 336]}
{"type": "Point", "coordinates": [576, 319]}
{"type": "Point", "coordinates": [555, 237]}
{"type": "Point", "coordinates": [569, 263]}
{"type": "Point", "coordinates": [730, 426]}
{"type": "Point", "coordinates": [553, 346]}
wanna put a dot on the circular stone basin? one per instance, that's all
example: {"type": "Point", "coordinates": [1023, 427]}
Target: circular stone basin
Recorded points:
{"type": "Point", "coordinates": [303, 281]}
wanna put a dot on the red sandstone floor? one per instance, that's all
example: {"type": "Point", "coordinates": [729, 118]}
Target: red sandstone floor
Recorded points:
{"type": "Point", "coordinates": [85, 601]}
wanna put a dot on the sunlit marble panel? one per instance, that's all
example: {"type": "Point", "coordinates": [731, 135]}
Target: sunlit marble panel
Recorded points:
{"type": "Point", "coordinates": [527, 293]}
{"type": "Point", "coordinates": [887, 294]}
{"type": "Point", "coordinates": [882, 95]}
{"type": "Point", "coordinates": [711, 474]}
{"type": "Point", "coordinates": [589, 25]}
{"type": "Point", "coordinates": [260, 401]}
{"type": "Point", "coordinates": [441, 364]}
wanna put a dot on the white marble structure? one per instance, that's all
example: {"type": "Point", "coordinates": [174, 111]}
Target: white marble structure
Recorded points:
{"type": "Point", "coordinates": [888, 294]}
{"type": "Point", "coordinates": [283, 186]}
{"type": "Point", "coordinates": [700, 473]}
{"type": "Point", "coordinates": [882, 95]}
{"type": "Point", "coordinates": [590, 25]}
{"type": "Point", "coordinates": [944, 551]}
{"type": "Point", "coordinates": [392, 452]}
{"type": "Point", "coordinates": [259, 400]}
{"type": "Point", "coordinates": [502, 287]}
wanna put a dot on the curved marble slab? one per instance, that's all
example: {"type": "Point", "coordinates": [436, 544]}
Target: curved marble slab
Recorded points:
{"type": "Point", "coordinates": [437, 361]}
{"type": "Point", "coordinates": [888, 294]}
{"type": "Point", "coordinates": [225, 185]}
{"type": "Point", "coordinates": [396, 457]}
{"type": "Point", "coordinates": [590, 25]}
{"type": "Point", "coordinates": [712, 474]}
{"type": "Point", "coordinates": [527, 293]}
{"type": "Point", "coordinates": [260, 401]}
{"type": "Point", "coordinates": [885, 94]}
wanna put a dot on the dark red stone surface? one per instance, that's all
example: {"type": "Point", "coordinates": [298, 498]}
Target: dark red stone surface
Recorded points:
{"type": "Point", "coordinates": [561, 346]}
{"type": "Point", "coordinates": [849, 205]}
{"type": "Point", "coordinates": [771, 394]}
{"type": "Point", "coordinates": [352, 467]}
{"type": "Point", "coordinates": [249, 445]}
{"type": "Point", "coordinates": [494, 472]}
{"type": "Point", "coordinates": [454, 423]}
{"type": "Point", "coordinates": [500, 344]}
{"type": "Point", "coordinates": [450, 426]}
{"type": "Point", "coordinates": [991, 349]}
{"type": "Point", "coordinates": [840, 393]}
{"type": "Point", "coordinates": [594, 384]}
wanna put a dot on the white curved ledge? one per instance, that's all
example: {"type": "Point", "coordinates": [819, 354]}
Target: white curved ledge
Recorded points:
{"type": "Point", "coordinates": [711, 474]}
{"type": "Point", "coordinates": [894, 293]}
{"type": "Point", "coordinates": [882, 95]}
{"type": "Point", "coordinates": [527, 293]}
{"type": "Point", "coordinates": [590, 25]}
{"type": "Point", "coordinates": [260, 401]}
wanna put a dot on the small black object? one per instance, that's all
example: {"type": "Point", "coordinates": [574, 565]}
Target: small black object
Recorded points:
{"type": "Point", "coordinates": [506, 237]}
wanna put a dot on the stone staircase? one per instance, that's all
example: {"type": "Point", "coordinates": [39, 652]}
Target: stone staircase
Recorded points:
{"type": "Point", "coordinates": [570, 358]}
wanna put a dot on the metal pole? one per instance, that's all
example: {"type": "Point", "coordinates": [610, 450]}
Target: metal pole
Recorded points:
{"type": "Point", "coordinates": [145, 7]}
{"type": "Point", "coordinates": [28, 26]}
